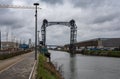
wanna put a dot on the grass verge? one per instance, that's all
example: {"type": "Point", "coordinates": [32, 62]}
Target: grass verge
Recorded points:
{"type": "Point", "coordinates": [42, 71]}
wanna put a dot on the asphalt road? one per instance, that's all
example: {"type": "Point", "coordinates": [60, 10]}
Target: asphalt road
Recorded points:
{"type": "Point", "coordinates": [20, 69]}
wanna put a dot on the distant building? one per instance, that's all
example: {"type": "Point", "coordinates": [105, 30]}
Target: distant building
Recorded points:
{"type": "Point", "coordinates": [9, 45]}
{"type": "Point", "coordinates": [106, 43]}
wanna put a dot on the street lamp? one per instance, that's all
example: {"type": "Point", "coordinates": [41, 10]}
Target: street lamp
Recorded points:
{"type": "Point", "coordinates": [38, 38]}
{"type": "Point", "coordinates": [36, 4]}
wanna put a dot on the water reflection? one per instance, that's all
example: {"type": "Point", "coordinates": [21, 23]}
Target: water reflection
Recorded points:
{"type": "Point", "coordinates": [72, 66]}
{"type": "Point", "coordinates": [87, 67]}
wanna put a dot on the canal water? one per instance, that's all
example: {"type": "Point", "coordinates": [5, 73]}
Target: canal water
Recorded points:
{"type": "Point", "coordinates": [86, 67]}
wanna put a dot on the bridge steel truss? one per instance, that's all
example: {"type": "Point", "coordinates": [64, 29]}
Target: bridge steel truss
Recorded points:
{"type": "Point", "coordinates": [73, 32]}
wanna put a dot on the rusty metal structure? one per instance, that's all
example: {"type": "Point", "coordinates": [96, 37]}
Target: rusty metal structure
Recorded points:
{"type": "Point", "coordinates": [73, 32]}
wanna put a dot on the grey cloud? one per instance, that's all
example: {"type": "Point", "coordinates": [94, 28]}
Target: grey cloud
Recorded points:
{"type": "Point", "coordinates": [87, 3]}
{"type": "Point", "coordinates": [60, 34]}
{"type": "Point", "coordinates": [7, 21]}
{"type": "Point", "coordinates": [106, 27]}
{"type": "Point", "coordinates": [17, 26]}
{"type": "Point", "coordinates": [53, 1]}
{"type": "Point", "coordinates": [6, 1]}
{"type": "Point", "coordinates": [89, 16]}
{"type": "Point", "coordinates": [11, 21]}
{"type": "Point", "coordinates": [106, 18]}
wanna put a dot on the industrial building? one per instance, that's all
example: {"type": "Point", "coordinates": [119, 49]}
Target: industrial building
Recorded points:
{"type": "Point", "coordinates": [100, 43]}
{"type": "Point", "coordinates": [9, 45]}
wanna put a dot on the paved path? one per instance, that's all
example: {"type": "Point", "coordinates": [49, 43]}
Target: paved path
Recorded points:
{"type": "Point", "coordinates": [20, 70]}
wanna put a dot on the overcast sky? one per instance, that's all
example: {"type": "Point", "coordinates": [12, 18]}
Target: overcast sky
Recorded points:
{"type": "Point", "coordinates": [94, 19]}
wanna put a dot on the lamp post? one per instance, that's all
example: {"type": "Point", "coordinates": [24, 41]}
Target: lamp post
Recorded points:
{"type": "Point", "coordinates": [36, 4]}
{"type": "Point", "coordinates": [38, 38]}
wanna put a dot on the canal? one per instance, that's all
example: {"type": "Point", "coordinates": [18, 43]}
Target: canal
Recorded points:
{"type": "Point", "coordinates": [86, 67]}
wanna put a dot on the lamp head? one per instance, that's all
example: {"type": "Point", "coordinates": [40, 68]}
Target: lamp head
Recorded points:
{"type": "Point", "coordinates": [36, 4]}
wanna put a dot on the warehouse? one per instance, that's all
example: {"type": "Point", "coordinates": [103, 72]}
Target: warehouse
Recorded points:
{"type": "Point", "coordinates": [98, 43]}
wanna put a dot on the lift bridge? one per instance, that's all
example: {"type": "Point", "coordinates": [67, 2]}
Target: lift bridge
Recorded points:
{"type": "Point", "coordinates": [73, 32]}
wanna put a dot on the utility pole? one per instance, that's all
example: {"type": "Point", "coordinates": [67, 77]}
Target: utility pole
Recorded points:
{"type": "Point", "coordinates": [36, 5]}
{"type": "Point", "coordinates": [38, 38]}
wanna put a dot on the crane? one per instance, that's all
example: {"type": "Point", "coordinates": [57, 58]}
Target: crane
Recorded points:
{"type": "Point", "coordinates": [17, 6]}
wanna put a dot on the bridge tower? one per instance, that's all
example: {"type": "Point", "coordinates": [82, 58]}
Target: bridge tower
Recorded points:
{"type": "Point", "coordinates": [73, 32]}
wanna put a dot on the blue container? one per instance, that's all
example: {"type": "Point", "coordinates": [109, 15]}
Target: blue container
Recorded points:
{"type": "Point", "coordinates": [24, 46]}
